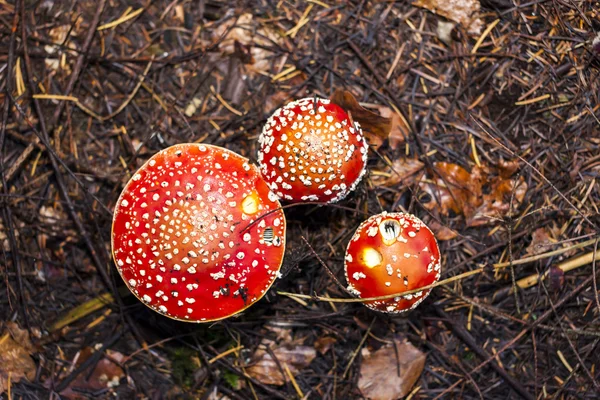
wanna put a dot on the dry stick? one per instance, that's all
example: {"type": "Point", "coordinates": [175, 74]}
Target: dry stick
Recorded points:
{"type": "Point", "coordinates": [538, 321]}
{"type": "Point", "coordinates": [533, 279]}
{"type": "Point", "coordinates": [6, 211]}
{"type": "Point", "coordinates": [510, 254]}
{"type": "Point", "coordinates": [386, 297]}
{"type": "Point", "coordinates": [566, 266]}
{"type": "Point", "coordinates": [62, 187]}
{"type": "Point", "coordinates": [466, 337]}
{"type": "Point", "coordinates": [329, 271]}
{"type": "Point", "coordinates": [16, 166]}
{"type": "Point", "coordinates": [93, 113]}
{"type": "Point", "coordinates": [360, 345]}
{"type": "Point", "coordinates": [571, 345]}
{"type": "Point", "coordinates": [594, 275]}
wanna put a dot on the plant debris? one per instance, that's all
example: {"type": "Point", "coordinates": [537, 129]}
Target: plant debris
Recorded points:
{"type": "Point", "coordinates": [15, 360]}
{"type": "Point", "coordinates": [390, 372]}
{"type": "Point", "coordinates": [478, 195]}
{"type": "Point", "coordinates": [272, 360]}
{"type": "Point", "coordinates": [465, 12]}
{"type": "Point", "coordinates": [483, 120]}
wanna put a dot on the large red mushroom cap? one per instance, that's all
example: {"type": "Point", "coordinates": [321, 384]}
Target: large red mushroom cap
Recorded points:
{"type": "Point", "coordinates": [312, 151]}
{"type": "Point", "coordinates": [185, 238]}
{"type": "Point", "coordinates": [392, 253]}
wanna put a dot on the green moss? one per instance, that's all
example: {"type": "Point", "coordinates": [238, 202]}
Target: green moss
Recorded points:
{"type": "Point", "coordinates": [232, 379]}
{"type": "Point", "coordinates": [184, 363]}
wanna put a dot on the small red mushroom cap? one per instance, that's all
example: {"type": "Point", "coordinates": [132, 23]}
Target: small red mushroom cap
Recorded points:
{"type": "Point", "coordinates": [392, 253]}
{"type": "Point", "coordinates": [184, 238]}
{"type": "Point", "coordinates": [312, 152]}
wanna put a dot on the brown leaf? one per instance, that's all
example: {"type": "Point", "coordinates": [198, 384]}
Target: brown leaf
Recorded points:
{"type": "Point", "coordinates": [507, 168]}
{"type": "Point", "coordinates": [403, 170]}
{"type": "Point", "coordinates": [379, 379]}
{"type": "Point", "coordinates": [14, 356]}
{"type": "Point", "coordinates": [442, 232]}
{"type": "Point", "coordinates": [464, 12]}
{"type": "Point", "coordinates": [497, 203]}
{"type": "Point", "coordinates": [247, 32]}
{"type": "Point", "coordinates": [455, 189]}
{"type": "Point", "coordinates": [369, 121]}
{"type": "Point", "coordinates": [324, 344]}
{"type": "Point", "coordinates": [399, 130]}
{"type": "Point", "coordinates": [541, 242]}
{"type": "Point", "coordinates": [287, 352]}
{"type": "Point", "coordinates": [106, 374]}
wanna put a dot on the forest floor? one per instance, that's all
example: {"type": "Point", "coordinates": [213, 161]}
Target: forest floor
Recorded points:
{"type": "Point", "coordinates": [494, 143]}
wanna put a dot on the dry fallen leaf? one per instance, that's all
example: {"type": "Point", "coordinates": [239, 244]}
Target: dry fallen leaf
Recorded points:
{"type": "Point", "coordinates": [379, 378]}
{"type": "Point", "coordinates": [248, 33]}
{"type": "Point", "coordinates": [541, 242]}
{"type": "Point", "coordinates": [452, 189]}
{"type": "Point", "coordinates": [373, 125]}
{"type": "Point", "coordinates": [497, 203]}
{"type": "Point", "coordinates": [442, 232]}
{"type": "Point", "coordinates": [288, 353]}
{"type": "Point", "coordinates": [15, 361]}
{"type": "Point", "coordinates": [324, 344]}
{"type": "Point", "coordinates": [106, 374]}
{"type": "Point", "coordinates": [464, 12]}
{"type": "Point", "coordinates": [399, 130]}
{"type": "Point", "coordinates": [403, 170]}
{"type": "Point", "coordinates": [455, 189]}
{"type": "Point", "coordinates": [507, 168]}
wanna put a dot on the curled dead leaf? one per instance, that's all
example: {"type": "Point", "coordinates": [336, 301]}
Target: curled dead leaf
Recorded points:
{"type": "Point", "coordinates": [324, 344]}
{"type": "Point", "coordinates": [455, 189]}
{"type": "Point", "coordinates": [442, 232]}
{"type": "Point", "coordinates": [372, 123]}
{"type": "Point", "coordinates": [266, 369]}
{"type": "Point", "coordinates": [390, 374]}
{"type": "Point", "coordinates": [464, 12]}
{"type": "Point", "coordinates": [15, 360]}
{"type": "Point", "coordinates": [506, 195]}
{"type": "Point", "coordinates": [507, 168]}
{"type": "Point", "coordinates": [402, 170]}
{"type": "Point", "coordinates": [106, 374]}
{"type": "Point", "coordinates": [399, 131]}
{"type": "Point", "coordinates": [452, 189]}
{"type": "Point", "coordinates": [249, 34]}
{"type": "Point", "coordinates": [541, 242]}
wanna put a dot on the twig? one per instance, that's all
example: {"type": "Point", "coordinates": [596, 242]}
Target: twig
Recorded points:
{"type": "Point", "coordinates": [357, 350]}
{"type": "Point", "coordinates": [62, 188]}
{"type": "Point", "coordinates": [466, 337]}
{"type": "Point", "coordinates": [6, 211]}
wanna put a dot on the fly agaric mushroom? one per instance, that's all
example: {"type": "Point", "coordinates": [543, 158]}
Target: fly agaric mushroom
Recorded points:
{"type": "Point", "coordinates": [392, 253]}
{"type": "Point", "coordinates": [185, 235]}
{"type": "Point", "coordinates": [311, 150]}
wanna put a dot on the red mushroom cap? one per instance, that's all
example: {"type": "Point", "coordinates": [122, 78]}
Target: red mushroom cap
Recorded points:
{"type": "Point", "coordinates": [181, 238]}
{"type": "Point", "coordinates": [392, 253]}
{"type": "Point", "coordinates": [312, 152]}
